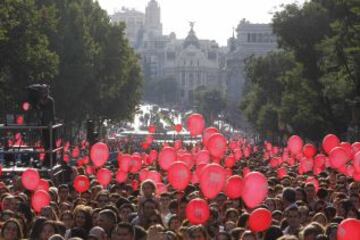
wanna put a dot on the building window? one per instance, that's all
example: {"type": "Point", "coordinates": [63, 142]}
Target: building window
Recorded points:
{"type": "Point", "coordinates": [253, 37]}
{"type": "Point", "coordinates": [249, 37]}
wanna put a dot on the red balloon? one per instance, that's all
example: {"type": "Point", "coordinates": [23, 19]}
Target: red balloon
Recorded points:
{"type": "Point", "coordinates": [167, 156]}
{"type": "Point", "coordinates": [349, 229]}
{"type": "Point", "coordinates": [152, 156]}
{"type": "Point", "coordinates": [154, 176]}
{"type": "Point", "coordinates": [160, 188]}
{"type": "Point", "coordinates": [230, 161]}
{"type": "Point", "coordinates": [121, 176]}
{"type": "Point", "coordinates": [309, 150]}
{"type": "Point", "coordinates": [135, 163]}
{"type": "Point", "coordinates": [260, 220]}
{"type": "Point", "coordinates": [143, 174]}
{"type": "Point", "coordinates": [75, 152]}
{"type": "Point", "coordinates": [152, 128]}
{"type": "Point", "coordinates": [217, 145]}
{"type": "Point", "coordinates": [81, 183]}
{"type": "Point", "coordinates": [43, 185]}
{"type": "Point", "coordinates": [237, 154]}
{"type": "Point", "coordinates": [319, 160]}
{"type": "Point", "coordinates": [197, 211]}
{"type": "Point", "coordinates": [202, 157]}
{"type": "Point", "coordinates": [281, 172]}
{"type": "Point", "coordinates": [347, 147]}
{"type": "Point", "coordinates": [255, 189]}
{"type": "Point", "coordinates": [207, 134]}
{"type": "Point", "coordinates": [99, 154]}
{"type": "Point", "coordinates": [39, 200]}
{"type": "Point", "coordinates": [20, 120]}
{"type": "Point", "coordinates": [338, 157]}
{"type": "Point", "coordinates": [26, 106]}
{"type": "Point", "coordinates": [356, 162]}
{"type": "Point", "coordinates": [179, 175]}
{"type": "Point", "coordinates": [355, 147]}
{"type": "Point", "coordinates": [30, 179]}
{"type": "Point", "coordinates": [187, 158]}
{"type": "Point", "coordinates": [195, 124]}
{"type": "Point", "coordinates": [178, 128]}
{"type": "Point", "coordinates": [104, 176]}
{"type": "Point", "coordinates": [295, 144]}
{"type": "Point", "coordinates": [233, 187]}
{"type": "Point", "coordinates": [212, 180]}
{"type": "Point", "coordinates": [329, 142]}
{"type": "Point", "coordinates": [124, 161]}
{"type": "Point", "coordinates": [178, 144]}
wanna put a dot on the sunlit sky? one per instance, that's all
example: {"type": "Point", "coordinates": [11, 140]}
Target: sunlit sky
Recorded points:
{"type": "Point", "coordinates": [214, 19]}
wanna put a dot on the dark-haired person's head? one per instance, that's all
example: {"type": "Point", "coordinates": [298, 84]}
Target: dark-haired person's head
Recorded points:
{"type": "Point", "coordinates": [123, 231]}
{"type": "Point", "coordinates": [107, 220]}
{"type": "Point", "coordinates": [273, 233]}
{"type": "Point", "coordinates": [289, 196]}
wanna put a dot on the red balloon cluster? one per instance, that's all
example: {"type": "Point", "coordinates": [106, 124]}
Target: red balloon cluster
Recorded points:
{"type": "Point", "coordinates": [197, 211]}
{"type": "Point", "coordinates": [329, 142]}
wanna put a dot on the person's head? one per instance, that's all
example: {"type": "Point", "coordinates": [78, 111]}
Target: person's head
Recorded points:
{"type": "Point", "coordinates": [292, 216]}
{"type": "Point", "coordinates": [48, 229]}
{"type": "Point", "coordinates": [49, 213]}
{"type": "Point", "coordinates": [173, 223]}
{"type": "Point", "coordinates": [56, 237]}
{"type": "Point", "coordinates": [102, 198]}
{"type": "Point", "coordinates": [277, 215]}
{"type": "Point", "coordinates": [304, 214]}
{"type": "Point", "coordinates": [271, 204]}
{"type": "Point", "coordinates": [148, 188]}
{"type": "Point", "coordinates": [289, 196]}
{"type": "Point", "coordinates": [123, 231]}
{"type": "Point", "coordinates": [311, 231]}
{"type": "Point", "coordinates": [273, 233]}
{"type": "Point", "coordinates": [67, 218]}
{"type": "Point", "coordinates": [173, 206]}
{"type": "Point", "coordinates": [148, 207]}
{"type": "Point", "coordinates": [107, 220]}
{"type": "Point", "coordinates": [243, 219]}
{"type": "Point", "coordinates": [310, 191]}
{"type": "Point", "coordinates": [197, 232]}
{"type": "Point", "coordinates": [223, 236]}
{"type": "Point", "coordinates": [63, 192]}
{"type": "Point", "coordinates": [331, 231]}
{"type": "Point", "coordinates": [232, 214]}
{"type": "Point", "coordinates": [8, 203]}
{"type": "Point", "coordinates": [82, 217]}
{"type": "Point", "coordinates": [156, 232]}
{"type": "Point", "coordinates": [12, 230]}
{"type": "Point", "coordinates": [154, 219]}
{"type": "Point", "coordinates": [320, 218]}
{"type": "Point", "coordinates": [78, 232]}
{"type": "Point", "coordinates": [248, 235]}
{"type": "Point", "coordinates": [125, 210]}
{"type": "Point", "coordinates": [98, 233]}
{"type": "Point", "coordinates": [165, 199]}
{"type": "Point", "coordinates": [229, 225]}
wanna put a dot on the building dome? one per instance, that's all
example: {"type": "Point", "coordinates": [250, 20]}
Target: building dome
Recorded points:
{"type": "Point", "coordinates": [191, 38]}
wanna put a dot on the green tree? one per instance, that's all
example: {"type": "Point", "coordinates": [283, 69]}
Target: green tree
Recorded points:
{"type": "Point", "coordinates": [24, 49]}
{"type": "Point", "coordinates": [210, 103]}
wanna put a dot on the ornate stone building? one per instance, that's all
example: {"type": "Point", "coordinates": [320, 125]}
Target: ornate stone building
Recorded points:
{"type": "Point", "coordinates": [251, 40]}
{"type": "Point", "coordinates": [193, 62]}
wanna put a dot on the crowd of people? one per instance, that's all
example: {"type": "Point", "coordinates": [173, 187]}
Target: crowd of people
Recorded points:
{"type": "Point", "coordinates": [123, 211]}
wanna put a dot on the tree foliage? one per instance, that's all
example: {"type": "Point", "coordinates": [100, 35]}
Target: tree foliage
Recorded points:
{"type": "Point", "coordinates": [210, 103]}
{"type": "Point", "coordinates": [319, 92]}
{"type": "Point", "coordinates": [70, 44]}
